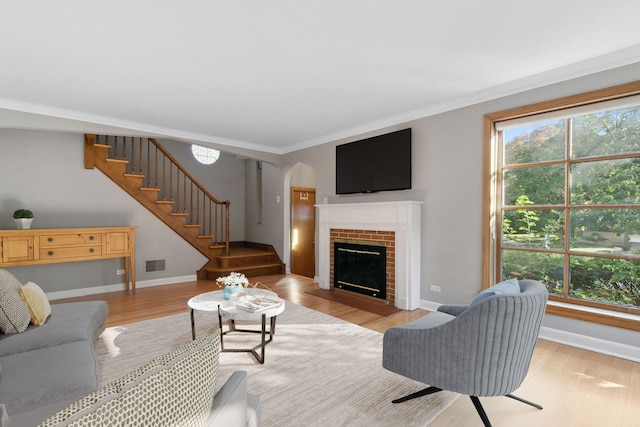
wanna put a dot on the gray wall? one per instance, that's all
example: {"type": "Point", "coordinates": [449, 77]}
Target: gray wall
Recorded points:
{"type": "Point", "coordinates": [270, 230]}
{"type": "Point", "coordinates": [447, 177]}
{"type": "Point", "coordinates": [44, 172]}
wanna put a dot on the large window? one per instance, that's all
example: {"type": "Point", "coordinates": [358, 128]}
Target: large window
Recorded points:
{"type": "Point", "coordinates": [564, 189]}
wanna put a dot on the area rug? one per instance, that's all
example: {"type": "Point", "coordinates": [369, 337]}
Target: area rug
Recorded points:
{"type": "Point", "coordinates": [318, 371]}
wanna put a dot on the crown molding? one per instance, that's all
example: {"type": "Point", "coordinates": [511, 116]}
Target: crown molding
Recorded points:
{"type": "Point", "coordinates": [88, 121]}
{"type": "Point", "coordinates": [598, 64]}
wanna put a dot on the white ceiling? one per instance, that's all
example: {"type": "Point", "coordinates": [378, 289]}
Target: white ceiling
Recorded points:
{"type": "Point", "coordinates": [285, 74]}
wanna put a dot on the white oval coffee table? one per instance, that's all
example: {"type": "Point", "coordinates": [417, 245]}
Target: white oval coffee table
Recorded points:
{"type": "Point", "coordinates": [227, 310]}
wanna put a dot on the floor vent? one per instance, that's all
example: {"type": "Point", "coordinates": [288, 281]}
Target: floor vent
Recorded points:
{"type": "Point", "coordinates": [154, 265]}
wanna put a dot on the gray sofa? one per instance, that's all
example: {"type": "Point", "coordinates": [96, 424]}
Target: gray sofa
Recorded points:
{"type": "Point", "coordinates": [47, 367]}
{"type": "Point", "coordinates": [50, 373]}
{"type": "Point", "coordinates": [174, 389]}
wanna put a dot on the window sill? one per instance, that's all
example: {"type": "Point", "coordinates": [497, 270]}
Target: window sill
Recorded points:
{"type": "Point", "coordinates": [596, 315]}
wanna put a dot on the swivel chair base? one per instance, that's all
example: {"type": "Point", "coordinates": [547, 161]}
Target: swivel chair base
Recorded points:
{"type": "Point", "coordinates": [474, 399]}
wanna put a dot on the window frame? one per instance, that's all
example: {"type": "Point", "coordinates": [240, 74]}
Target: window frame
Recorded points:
{"type": "Point", "coordinates": [491, 192]}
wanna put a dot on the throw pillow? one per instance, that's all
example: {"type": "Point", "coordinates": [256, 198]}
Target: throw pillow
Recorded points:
{"type": "Point", "coordinates": [176, 388]}
{"type": "Point", "coordinates": [510, 286]}
{"type": "Point", "coordinates": [37, 301]}
{"type": "Point", "coordinates": [14, 313]}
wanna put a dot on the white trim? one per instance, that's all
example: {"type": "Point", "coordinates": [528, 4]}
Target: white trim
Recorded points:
{"type": "Point", "coordinates": [610, 348]}
{"type": "Point", "coordinates": [584, 342]}
{"type": "Point", "coordinates": [93, 290]}
{"type": "Point", "coordinates": [429, 305]}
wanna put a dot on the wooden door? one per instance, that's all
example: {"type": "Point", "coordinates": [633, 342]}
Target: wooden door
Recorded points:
{"type": "Point", "coordinates": [303, 231]}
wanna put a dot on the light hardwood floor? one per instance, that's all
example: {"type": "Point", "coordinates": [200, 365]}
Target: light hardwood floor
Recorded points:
{"type": "Point", "coordinates": [576, 387]}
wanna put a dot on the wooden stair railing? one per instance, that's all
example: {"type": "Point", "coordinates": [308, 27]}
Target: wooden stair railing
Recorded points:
{"type": "Point", "coordinates": [150, 174]}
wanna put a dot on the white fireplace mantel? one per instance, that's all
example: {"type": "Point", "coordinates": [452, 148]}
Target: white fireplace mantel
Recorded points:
{"type": "Point", "coordinates": [401, 217]}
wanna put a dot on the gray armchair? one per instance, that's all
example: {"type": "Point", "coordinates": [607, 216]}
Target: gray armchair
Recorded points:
{"type": "Point", "coordinates": [479, 350]}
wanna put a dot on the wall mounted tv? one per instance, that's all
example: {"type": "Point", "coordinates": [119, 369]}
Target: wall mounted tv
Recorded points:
{"type": "Point", "coordinates": [380, 163]}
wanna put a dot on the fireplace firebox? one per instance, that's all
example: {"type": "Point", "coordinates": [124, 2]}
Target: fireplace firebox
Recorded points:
{"type": "Point", "coordinates": [360, 268]}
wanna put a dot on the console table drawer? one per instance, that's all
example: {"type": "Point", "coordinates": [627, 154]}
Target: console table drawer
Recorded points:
{"type": "Point", "coordinates": [71, 252]}
{"type": "Point", "coordinates": [70, 239]}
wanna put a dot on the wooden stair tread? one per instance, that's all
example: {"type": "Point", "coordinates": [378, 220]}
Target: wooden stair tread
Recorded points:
{"type": "Point", "coordinates": [247, 255]}
{"type": "Point", "coordinates": [149, 189]}
{"type": "Point", "coordinates": [165, 202]}
{"type": "Point", "coordinates": [250, 271]}
{"type": "Point", "coordinates": [243, 267]}
{"type": "Point", "coordinates": [118, 161]}
{"type": "Point", "coordinates": [238, 252]}
{"type": "Point", "coordinates": [133, 175]}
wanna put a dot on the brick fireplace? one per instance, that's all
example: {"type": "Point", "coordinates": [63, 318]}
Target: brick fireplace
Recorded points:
{"type": "Point", "coordinates": [369, 237]}
{"type": "Point", "coordinates": [396, 224]}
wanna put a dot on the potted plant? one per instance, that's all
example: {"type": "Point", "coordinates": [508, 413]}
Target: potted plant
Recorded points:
{"type": "Point", "coordinates": [23, 218]}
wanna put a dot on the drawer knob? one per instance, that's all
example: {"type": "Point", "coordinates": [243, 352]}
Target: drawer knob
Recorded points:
{"type": "Point", "coordinates": [90, 237]}
{"type": "Point", "coordinates": [50, 253]}
{"type": "Point", "coordinates": [91, 250]}
{"type": "Point", "coordinates": [50, 239]}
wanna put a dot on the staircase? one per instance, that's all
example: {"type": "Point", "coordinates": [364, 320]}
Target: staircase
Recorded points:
{"type": "Point", "coordinates": [152, 176]}
{"type": "Point", "coordinates": [252, 259]}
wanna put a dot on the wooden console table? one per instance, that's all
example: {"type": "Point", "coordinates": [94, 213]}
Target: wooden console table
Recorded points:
{"type": "Point", "coordinates": [50, 246]}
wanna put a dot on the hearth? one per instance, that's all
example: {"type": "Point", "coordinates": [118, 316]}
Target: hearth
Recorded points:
{"type": "Point", "coordinates": [361, 268]}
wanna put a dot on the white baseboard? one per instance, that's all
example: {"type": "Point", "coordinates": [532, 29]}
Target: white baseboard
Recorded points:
{"type": "Point", "coordinates": [72, 293]}
{"type": "Point", "coordinates": [571, 339]}
{"type": "Point", "coordinates": [584, 342]}
{"type": "Point", "coordinates": [428, 305]}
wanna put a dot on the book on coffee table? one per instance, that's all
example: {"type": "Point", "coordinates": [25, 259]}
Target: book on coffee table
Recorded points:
{"type": "Point", "coordinates": [257, 306]}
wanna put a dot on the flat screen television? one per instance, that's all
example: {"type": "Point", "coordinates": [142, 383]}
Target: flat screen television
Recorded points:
{"type": "Point", "coordinates": [380, 163]}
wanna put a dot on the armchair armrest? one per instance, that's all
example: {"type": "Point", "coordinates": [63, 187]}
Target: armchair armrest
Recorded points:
{"type": "Point", "coordinates": [453, 310]}
{"type": "Point", "coordinates": [229, 406]}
